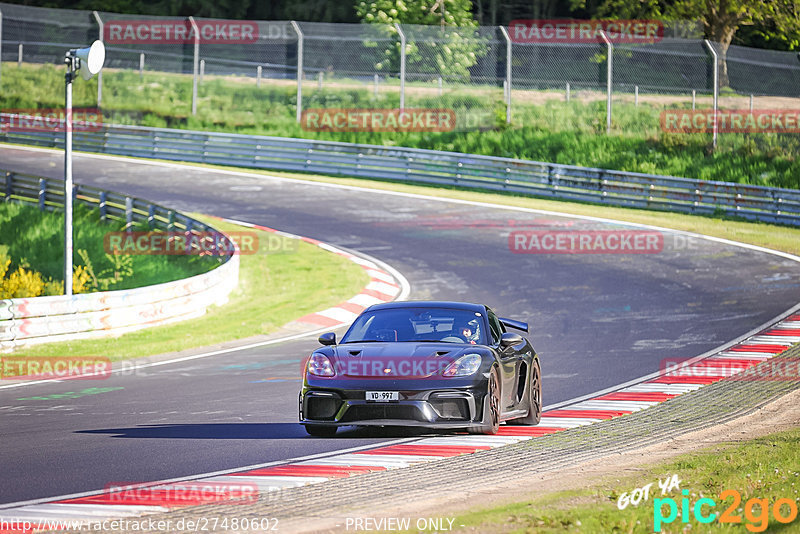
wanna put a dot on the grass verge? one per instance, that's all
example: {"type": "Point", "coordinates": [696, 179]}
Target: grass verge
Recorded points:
{"type": "Point", "coordinates": [274, 288]}
{"type": "Point", "coordinates": [761, 472]}
{"type": "Point", "coordinates": [544, 128]}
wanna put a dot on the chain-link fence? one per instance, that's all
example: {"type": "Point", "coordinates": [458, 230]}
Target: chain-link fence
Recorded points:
{"type": "Point", "coordinates": [253, 73]}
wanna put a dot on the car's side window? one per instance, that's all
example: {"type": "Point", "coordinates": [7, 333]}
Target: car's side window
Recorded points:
{"type": "Point", "coordinates": [496, 327]}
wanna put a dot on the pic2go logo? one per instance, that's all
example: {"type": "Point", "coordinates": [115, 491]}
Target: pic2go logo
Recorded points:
{"type": "Point", "coordinates": [756, 511]}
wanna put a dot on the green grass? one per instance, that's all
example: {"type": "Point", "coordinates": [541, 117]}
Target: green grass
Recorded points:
{"type": "Point", "coordinates": [765, 468]}
{"type": "Point", "coordinates": [34, 239]}
{"type": "Point", "coordinates": [552, 130]}
{"type": "Point", "coordinates": [274, 288]}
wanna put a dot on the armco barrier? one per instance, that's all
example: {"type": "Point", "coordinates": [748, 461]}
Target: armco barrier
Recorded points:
{"type": "Point", "coordinates": [617, 188]}
{"type": "Point", "coordinates": [26, 321]}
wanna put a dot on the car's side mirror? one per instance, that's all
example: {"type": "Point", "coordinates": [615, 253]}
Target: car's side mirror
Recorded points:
{"type": "Point", "coordinates": [328, 338]}
{"type": "Point", "coordinates": [509, 339]}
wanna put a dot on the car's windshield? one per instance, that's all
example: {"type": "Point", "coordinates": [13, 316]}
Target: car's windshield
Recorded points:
{"type": "Point", "coordinates": [417, 324]}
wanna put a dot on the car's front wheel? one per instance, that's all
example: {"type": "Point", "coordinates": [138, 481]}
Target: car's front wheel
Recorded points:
{"type": "Point", "coordinates": [321, 431]}
{"type": "Point", "coordinates": [534, 399]}
{"type": "Point", "coordinates": [491, 407]}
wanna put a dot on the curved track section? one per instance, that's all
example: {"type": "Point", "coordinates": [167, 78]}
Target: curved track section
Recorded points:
{"type": "Point", "coordinates": [598, 320]}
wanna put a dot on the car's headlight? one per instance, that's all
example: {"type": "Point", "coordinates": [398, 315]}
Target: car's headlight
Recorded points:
{"type": "Point", "coordinates": [464, 366]}
{"type": "Point", "coordinates": [319, 365]}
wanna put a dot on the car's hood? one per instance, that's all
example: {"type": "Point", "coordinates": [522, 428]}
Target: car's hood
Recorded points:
{"type": "Point", "coordinates": [396, 360]}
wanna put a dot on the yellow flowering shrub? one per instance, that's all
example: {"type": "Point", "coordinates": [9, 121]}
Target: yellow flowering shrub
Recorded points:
{"type": "Point", "coordinates": [21, 283]}
{"type": "Point", "coordinates": [26, 283]}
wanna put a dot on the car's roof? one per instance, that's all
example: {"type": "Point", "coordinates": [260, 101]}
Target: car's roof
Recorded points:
{"type": "Point", "coordinates": [429, 304]}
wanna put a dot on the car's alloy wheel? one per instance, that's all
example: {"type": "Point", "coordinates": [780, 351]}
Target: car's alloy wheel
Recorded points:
{"type": "Point", "coordinates": [491, 407]}
{"type": "Point", "coordinates": [494, 404]}
{"type": "Point", "coordinates": [534, 399]}
{"type": "Point", "coordinates": [321, 431]}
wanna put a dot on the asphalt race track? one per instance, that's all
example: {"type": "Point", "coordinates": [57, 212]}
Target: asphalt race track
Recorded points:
{"type": "Point", "coordinates": [597, 320]}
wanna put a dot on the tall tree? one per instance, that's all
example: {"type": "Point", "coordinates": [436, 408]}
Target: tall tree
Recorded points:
{"type": "Point", "coordinates": [448, 51]}
{"type": "Point", "coordinates": [721, 19]}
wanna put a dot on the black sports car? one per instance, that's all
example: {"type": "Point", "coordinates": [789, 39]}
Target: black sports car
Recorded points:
{"type": "Point", "coordinates": [441, 365]}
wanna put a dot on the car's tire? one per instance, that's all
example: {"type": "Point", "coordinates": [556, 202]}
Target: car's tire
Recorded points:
{"type": "Point", "coordinates": [534, 395]}
{"type": "Point", "coordinates": [491, 407]}
{"type": "Point", "coordinates": [321, 431]}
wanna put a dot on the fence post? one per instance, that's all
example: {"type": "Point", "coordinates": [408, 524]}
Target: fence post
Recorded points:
{"type": "Point", "coordinates": [9, 185]}
{"type": "Point", "coordinates": [103, 212]}
{"type": "Point", "coordinates": [99, 74]}
{"type": "Point", "coordinates": [19, 55]}
{"type": "Point", "coordinates": [694, 98]}
{"type": "Point", "coordinates": [258, 76]}
{"type": "Point", "coordinates": [42, 193]}
{"type": "Point", "coordinates": [151, 216]}
{"type": "Point", "coordinates": [202, 70]}
{"type": "Point", "coordinates": [716, 90]}
{"type": "Point", "coordinates": [300, 39]}
{"type": "Point", "coordinates": [567, 92]}
{"type": "Point", "coordinates": [128, 213]}
{"type": "Point", "coordinates": [636, 95]}
{"type": "Point", "coordinates": [609, 74]}
{"type": "Point", "coordinates": [402, 65]}
{"type": "Point", "coordinates": [508, 73]}
{"type": "Point", "coordinates": [195, 63]}
{"type": "Point", "coordinates": [141, 66]}
{"type": "Point", "coordinates": [1, 46]}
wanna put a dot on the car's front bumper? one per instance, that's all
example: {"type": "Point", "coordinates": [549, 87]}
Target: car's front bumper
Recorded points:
{"type": "Point", "coordinates": [437, 407]}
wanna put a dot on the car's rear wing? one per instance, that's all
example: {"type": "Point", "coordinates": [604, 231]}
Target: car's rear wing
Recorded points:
{"type": "Point", "coordinates": [519, 325]}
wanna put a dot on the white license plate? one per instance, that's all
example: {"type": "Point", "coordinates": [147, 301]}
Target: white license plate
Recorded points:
{"type": "Point", "coordinates": [382, 396]}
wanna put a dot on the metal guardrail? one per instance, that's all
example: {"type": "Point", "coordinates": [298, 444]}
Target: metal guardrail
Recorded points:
{"type": "Point", "coordinates": [549, 180]}
{"type": "Point", "coordinates": [25, 321]}
{"type": "Point", "coordinates": [49, 195]}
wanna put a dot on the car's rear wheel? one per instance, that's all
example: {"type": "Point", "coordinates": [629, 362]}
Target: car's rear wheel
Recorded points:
{"type": "Point", "coordinates": [321, 431]}
{"type": "Point", "coordinates": [534, 399]}
{"type": "Point", "coordinates": [491, 407]}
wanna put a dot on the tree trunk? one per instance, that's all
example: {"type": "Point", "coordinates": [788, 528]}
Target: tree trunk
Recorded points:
{"type": "Point", "coordinates": [721, 27]}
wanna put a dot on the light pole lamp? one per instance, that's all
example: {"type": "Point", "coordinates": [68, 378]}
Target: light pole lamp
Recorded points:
{"type": "Point", "coordinates": [88, 61]}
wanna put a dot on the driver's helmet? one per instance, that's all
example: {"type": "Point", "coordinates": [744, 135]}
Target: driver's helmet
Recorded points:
{"type": "Point", "coordinates": [469, 331]}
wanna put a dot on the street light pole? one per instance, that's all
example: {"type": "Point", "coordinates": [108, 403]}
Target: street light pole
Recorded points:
{"type": "Point", "coordinates": [70, 60]}
{"type": "Point", "coordinates": [88, 61]}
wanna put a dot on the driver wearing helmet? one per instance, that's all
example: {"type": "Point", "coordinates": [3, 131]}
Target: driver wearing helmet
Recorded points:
{"type": "Point", "coordinates": [470, 332]}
